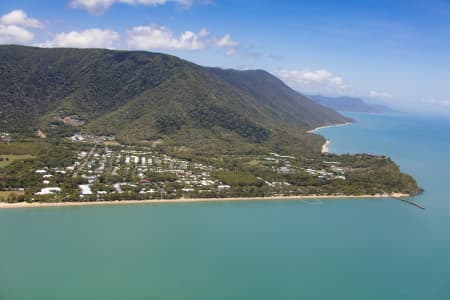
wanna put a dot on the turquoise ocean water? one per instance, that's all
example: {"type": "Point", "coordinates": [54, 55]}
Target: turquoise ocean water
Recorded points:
{"type": "Point", "coordinates": [333, 249]}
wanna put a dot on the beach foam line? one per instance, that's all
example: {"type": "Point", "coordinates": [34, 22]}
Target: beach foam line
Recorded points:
{"type": "Point", "coordinates": [195, 200]}
{"type": "Point", "coordinates": [328, 126]}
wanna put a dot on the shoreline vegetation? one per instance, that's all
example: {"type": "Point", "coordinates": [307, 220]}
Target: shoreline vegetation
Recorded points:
{"type": "Point", "coordinates": [80, 174]}
{"type": "Point", "coordinates": [196, 200]}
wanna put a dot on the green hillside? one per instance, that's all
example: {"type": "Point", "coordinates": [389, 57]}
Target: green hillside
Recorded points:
{"type": "Point", "coordinates": [244, 133]}
{"type": "Point", "coordinates": [144, 98]}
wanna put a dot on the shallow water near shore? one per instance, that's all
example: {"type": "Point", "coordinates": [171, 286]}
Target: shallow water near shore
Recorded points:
{"type": "Point", "coordinates": [344, 249]}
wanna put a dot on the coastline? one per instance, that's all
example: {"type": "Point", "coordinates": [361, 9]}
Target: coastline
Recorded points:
{"type": "Point", "coordinates": [328, 126]}
{"type": "Point", "coordinates": [195, 200]}
{"type": "Point", "coordinates": [325, 147]}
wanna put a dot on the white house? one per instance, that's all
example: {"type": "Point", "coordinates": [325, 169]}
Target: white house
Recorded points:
{"type": "Point", "coordinates": [85, 189]}
{"type": "Point", "coordinates": [223, 187]}
{"type": "Point", "coordinates": [48, 191]}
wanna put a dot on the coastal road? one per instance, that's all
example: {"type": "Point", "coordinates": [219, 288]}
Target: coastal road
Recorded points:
{"type": "Point", "coordinates": [83, 164]}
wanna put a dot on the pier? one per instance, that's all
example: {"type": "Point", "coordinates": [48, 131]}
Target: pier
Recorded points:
{"type": "Point", "coordinates": [410, 202]}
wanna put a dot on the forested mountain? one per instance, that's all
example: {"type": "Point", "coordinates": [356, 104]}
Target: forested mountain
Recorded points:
{"type": "Point", "coordinates": [143, 97]}
{"type": "Point", "coordinates": [230, 122]}
{"type": "Point", "coordinates": [350, 104]}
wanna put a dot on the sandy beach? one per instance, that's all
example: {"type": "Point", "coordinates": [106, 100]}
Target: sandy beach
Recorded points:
{"type": "Point", "coordinates": [194, 200]}
{"type": "Point", "coordinates": [325, 146]}
{"type": "Point", "coordinates": [328, 126]}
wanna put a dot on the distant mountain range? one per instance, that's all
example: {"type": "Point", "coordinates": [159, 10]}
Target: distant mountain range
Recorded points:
{"type": "Point", "coordinates": [350, 104]}
{"type": "Point", "coordinates": [143, 97]}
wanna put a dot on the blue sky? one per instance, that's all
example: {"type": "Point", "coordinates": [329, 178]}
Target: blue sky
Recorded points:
{"type": "Point", "coordinates": [397, 52]}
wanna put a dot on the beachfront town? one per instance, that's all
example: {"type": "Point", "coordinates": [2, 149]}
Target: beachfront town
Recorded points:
{"type": "Point", "coordinates": [109, 171]}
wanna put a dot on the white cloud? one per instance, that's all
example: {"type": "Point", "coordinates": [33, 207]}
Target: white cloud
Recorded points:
{"type": "Point", "coordinates": [227, 42]}
{"type": "Point", "coordinates": [313, 80]}
{"type": "Point", "coordinates": [13, 27]}
{"type": "Point", "coordinates": [381, 95]}
{"type": "Point", "coordinates": [10, 34]}
{"type": "Point", "coordinates": [159, 37]}
{"type": "Point", "coordinates": [99, 6]}
{"type": "Point", "coordinates": [151, 37]}
{"type": "Point", "coordinates": [428, 105]}
{"type": "Point", "coordinates": [444, 103]}
{"type": "Point", "coordinates": [19, 17]}
{"type": "Point", "coordinates": [90, 38]}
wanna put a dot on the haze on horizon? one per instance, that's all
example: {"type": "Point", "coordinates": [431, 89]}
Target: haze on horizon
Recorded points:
{"type": "Point", "coordinates": [388, 52]}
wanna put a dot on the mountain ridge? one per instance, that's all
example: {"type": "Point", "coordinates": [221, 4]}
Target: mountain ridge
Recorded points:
{"type": "Point", "coordinates": [350, 104]}
{"type": "Point", "coordinates": [142, 96]}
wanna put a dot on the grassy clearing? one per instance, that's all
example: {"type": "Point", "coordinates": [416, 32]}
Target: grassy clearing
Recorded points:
{"type": "Point", "coordinates": [4, 194]}
{"type": "Point", "coordinates": [6, 160]}
{"type": "Point", "coordinates": [11, 196]}
{"type": "Point", "coordinates": [111, 143]}
{"type": "Point", "coordinates": [23, 148]}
